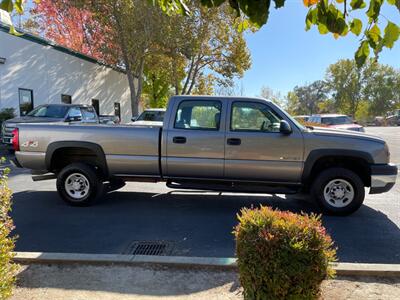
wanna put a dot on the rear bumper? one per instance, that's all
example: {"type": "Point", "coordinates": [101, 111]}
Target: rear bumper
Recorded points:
{"type": "Point", "coordinates": [383, 178]}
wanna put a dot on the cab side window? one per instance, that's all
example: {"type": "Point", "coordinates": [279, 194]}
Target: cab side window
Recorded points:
{"type": "Point", "coordinates": [253, 116]}
{"type": "Point", "coordinates": [89, 114]}
{"type": "Point", "coordinates": [75, 112]}
{"type": "Point", "coordinates": [198, 115]}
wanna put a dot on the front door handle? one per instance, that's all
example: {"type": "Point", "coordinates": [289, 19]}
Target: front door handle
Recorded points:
{"type": "Point", "coordinates": [179, 139]}
{"type": "Point", "coordinates": [234, 142]}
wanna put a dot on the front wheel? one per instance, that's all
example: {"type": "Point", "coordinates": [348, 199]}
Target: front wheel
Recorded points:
{"type": "Point", "coordinates": [79, 185]}
{"type": "Point", "coordinates": [338, 191]}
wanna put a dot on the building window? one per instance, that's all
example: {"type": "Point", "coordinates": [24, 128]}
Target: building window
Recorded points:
{"type": "Point", "coordinates": [117, 110]}
{"type": "Point", "coordinates": [96, 106]}
{"type": "Point", "coordinates": [67, 99]}
{"type": "Point", "coordinates": [25, 101]}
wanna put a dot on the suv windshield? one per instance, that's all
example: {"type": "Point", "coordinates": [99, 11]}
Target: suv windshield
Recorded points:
{"type": "Point", "coordinates": [337, 120]}
{"type": "Point", "coordinates": [49, 111]}
{"type": "Point", "coordinates": [152, 116]}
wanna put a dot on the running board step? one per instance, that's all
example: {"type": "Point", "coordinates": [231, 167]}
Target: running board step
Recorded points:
{"type": "Point", "coordinates": [44, 177]}
{"type": "Point", "coordinates": [233, 187]}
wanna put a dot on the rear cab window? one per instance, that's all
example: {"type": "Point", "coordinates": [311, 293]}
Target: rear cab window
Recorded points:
{"type": "Point", "coordinates": [198, 115]}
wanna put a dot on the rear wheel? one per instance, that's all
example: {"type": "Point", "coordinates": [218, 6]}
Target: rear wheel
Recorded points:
{"type": "Point", "coordinates": [338, 191]}
{"type": "Point", "coordinates": [79, 185]}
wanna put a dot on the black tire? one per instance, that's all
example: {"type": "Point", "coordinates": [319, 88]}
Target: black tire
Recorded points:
{"type": "Point", "coordinates": [93, 186]}
{"type": "Point", "coordinates": [326, 182]}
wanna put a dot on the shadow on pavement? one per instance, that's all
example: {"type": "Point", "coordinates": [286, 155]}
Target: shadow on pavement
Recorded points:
{"type": "Point", "coordinates": [198, 224]}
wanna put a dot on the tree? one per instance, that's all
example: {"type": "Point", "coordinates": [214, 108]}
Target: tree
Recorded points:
{"type": "Point", "coordinates": [157, 81]}
{"type": "Point", "coordinates": [306, 100]}
{"type": "Point", "coordinates": [382, 89]}
{"type": "Point", "coordinates": [363, 92]}
{"type": "Point", "coordinates": [329, 17]}
{"type": "Point", "coordinates": [208, 45]}
{"type": "Point", "coordinates": [270, 94]}
{"type": "Point", "coordinates": [72, 27]}
{"type": "Point", "coordinates": [333, 17]}
{"type": "Point", "coordinates": [233, 89]}
{"type": "Point", "coordinates": [345, 81]}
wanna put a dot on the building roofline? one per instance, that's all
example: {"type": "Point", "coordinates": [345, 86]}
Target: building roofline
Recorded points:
{"type": "Point", "coordinates": [42, 41]}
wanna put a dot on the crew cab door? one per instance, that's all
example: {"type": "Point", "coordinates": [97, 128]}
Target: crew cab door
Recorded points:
{"type": "Point", "coordinates": [255, 149]}
{"type": "Point", "coordinates": [196, 139]}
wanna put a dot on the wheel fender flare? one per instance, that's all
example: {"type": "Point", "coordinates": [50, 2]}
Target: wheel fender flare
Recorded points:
{"type": "Point", "coordinates": [317, 154]}
{"type": "Point", "coordinates": [96, 148]}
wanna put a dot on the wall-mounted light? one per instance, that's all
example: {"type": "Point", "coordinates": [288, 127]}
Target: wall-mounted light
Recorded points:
{"type": "Point", "coordinates": [2, 60]}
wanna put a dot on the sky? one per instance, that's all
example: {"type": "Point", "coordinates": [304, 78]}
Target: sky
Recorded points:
{"type": "Point", "coordinates": [285, 55]}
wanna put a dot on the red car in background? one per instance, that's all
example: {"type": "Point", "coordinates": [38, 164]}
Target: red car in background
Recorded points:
{"type": "Point", "coordinates": [336, 121]}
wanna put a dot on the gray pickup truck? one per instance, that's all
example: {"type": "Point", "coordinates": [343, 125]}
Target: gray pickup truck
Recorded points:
{"type": "Point", "coordinates": [230, 144]}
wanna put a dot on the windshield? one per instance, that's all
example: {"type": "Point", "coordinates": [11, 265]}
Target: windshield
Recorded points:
{"type": "Point", "coordinates": [49, 111]}
{"type": "Point", "coordinates": [157, 116]}
{"type": "Point", "coordinates": [337, 120]}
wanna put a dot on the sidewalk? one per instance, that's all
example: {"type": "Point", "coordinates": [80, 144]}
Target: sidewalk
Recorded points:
{"type": "Point", "coordinates": [79, 282]}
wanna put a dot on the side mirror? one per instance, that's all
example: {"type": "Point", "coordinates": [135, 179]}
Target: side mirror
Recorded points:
{"type": "Point", "coordinates": [73, 119]}
{"type": "Point", "coordinates": [355, 122]}
{"type": "Point", "coordinates": [133, 119]}
{"type": "Point", "coordinates": [284, 127]}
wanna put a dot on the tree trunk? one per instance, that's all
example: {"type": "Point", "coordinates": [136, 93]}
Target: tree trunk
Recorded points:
{"type": "Point", "coordinates": [133, 97]}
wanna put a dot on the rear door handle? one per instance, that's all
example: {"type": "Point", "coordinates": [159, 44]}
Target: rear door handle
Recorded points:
{"type": "Point", "coordinates": [234, 142]}
{"type": "Point", "coordinates": [179, 139]}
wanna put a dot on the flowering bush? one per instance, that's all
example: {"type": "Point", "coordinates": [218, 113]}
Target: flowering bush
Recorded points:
{"type": "Point", "coordinates": [282, 255]}
{"type": "Point", "coordinates": [7, 267]}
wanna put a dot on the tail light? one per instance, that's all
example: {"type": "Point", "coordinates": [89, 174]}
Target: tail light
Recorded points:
{"type": "Point", "coordinates": [15, 139]}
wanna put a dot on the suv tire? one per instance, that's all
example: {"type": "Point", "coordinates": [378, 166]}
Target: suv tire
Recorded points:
{"type": "Point", "coordinates": [338, 191]}
{"type": "Point", "coordinates": [79, 185]}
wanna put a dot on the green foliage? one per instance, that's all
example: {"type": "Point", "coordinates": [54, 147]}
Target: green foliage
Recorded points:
{"type": "Point", "coordinates": [363, 93]}
{"type": "Point", "coordinates": [7, 113]}
{"type": "Point", "coordinates": [9, 6]}
{"type": "Point", "coordinates": [305, 100]}
{"type": "Point", "coordinates": [205, 47]}
{"type": "Point", "coordinates": [392, 32]}
{"type": "Point", "coordinates": [282, 255]}
{"type": "Point", "coordinates": [356, 26]}
{"type": "Point", "coordinates": [362, 54]}
{"type": "Point", "coordinates": [7, 267]}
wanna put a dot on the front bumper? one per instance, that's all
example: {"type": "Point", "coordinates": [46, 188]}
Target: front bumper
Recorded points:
{"type": "Point", "coordinates": [383, 178]}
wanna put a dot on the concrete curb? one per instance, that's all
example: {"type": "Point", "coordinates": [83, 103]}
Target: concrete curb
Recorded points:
{"type": "Point", "coordinates": [227, 263]}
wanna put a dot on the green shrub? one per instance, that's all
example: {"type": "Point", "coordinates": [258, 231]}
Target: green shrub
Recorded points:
{"type": "Point", "coordinates": [7, 267]}
{"type": "Point", "coordinates": [282, 255]}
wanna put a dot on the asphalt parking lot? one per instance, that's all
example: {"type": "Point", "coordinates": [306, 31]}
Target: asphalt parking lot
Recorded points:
{"type": "Point", "coordinates": [193, 223]}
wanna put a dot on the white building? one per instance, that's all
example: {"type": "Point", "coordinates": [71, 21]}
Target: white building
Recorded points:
{"type": "Point", "coordinates": [34, 71]}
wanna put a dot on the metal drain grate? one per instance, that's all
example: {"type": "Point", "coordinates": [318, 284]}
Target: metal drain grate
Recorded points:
{"type": "Point", "coordinates": [150, 248]}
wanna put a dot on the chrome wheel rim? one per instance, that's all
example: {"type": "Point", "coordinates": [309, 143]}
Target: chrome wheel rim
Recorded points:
{"type": "Point", "coordinates": [77, 186]}
{"type": "Point", "coordinates": [339, 193]}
